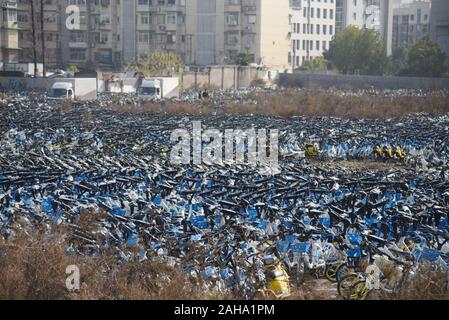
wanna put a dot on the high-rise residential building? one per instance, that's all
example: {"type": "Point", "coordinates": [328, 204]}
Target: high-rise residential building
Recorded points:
{"type": "Point", "coordinates": [312, 29]}
{"type": "Point", "coordinates": [95, 42]}
{"type": "Point", "coordinates": [439, 25]}
{"type": "Point", "coordinates": [372, 14]}
{"type": "Point", "coordinates": [50, 35]}
{"type": "Point", "coordinates": [112, 33]}
{"type": "Point", "coordinates": [9, 40]}
{"type": "Point", "coordinates": [411, 22]}
{"type": "Point", "coordinates": [207, 32]}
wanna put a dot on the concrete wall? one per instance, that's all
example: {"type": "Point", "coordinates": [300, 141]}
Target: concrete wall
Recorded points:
{"type": "Point", "coordinates": [85, 88]}
{"type": "Point", "coordinates": [224, 77]}
{"type": "Point", "coordinates": [307, 80]}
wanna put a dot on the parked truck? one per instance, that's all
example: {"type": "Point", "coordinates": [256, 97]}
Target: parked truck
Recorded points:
{"type": "Point", "coordinates": [62, 90]}
{"type": "Point", "coordinates": [158, 88]}
{"type": "Point", "coordinates": [74, 89]}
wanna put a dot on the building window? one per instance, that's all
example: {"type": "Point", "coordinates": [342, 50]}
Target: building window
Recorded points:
{"type": "Point", "coordinates": [252, 19]}
{"type": "Point", "coordinates": [171, 18]}
{"type": "Point", "coordinates": [145, 18]}
{"type": "Point", "coordinates": [171, 38]}
{"type": "Point", "coordinates": [77, 36]}
{"type": "Point", "coordinates": [78, 54]}
{"type": "Point", "coordinates": [232, 19]}
{"type": "Point", "coordinates": [144, 37]}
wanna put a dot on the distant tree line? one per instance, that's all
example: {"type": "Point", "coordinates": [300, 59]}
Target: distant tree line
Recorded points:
{"type": "Point", "coordinates": [362, 51]}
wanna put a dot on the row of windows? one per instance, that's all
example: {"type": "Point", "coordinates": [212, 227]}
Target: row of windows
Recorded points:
{"type": "Point", "coordinates": [324, 1]}
{"type": "Point", "coordinates": [309, 45]}
{"type": "Point", "coordinates": [147, 18]}
{"type": "Point", "coordinates": [310, 13]}
{"type": "Point", "coordinates": [297, 59]}
{"type": "Point", "coordinates": [149, 37]}
{"type": "Point", "coordinates": [159, 2]}
{"type": "Point", "coordinates": [311, 28]}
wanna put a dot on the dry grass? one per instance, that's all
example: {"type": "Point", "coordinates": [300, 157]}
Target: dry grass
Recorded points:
{"type": "Point", "coordinates": [428, 284]}
{"type": "Point", "coordinates": [287, 103]}
{"type": "Point", "coordinates": [309, 103]}
{"type": "Point", "coordinates": [33, 267]}
{"type": "Point", "coordinates": [171, 107]}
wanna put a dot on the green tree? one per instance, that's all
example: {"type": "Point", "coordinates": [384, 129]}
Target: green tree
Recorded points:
{"type": "Point", "coordinates": [73, 68]}
{"type": "Point", "coordinates": [398, 60]}
{"type": "Point", "coordinates": [425, 59]}
{"type": "Point", "coordinates": [158, 63]}
{"type": "Point", "coordinates": [243, 59]}
{"type": "Point", "coordinates": [357, 50]}
{"type": "Point", "coordinates": [316, 64]}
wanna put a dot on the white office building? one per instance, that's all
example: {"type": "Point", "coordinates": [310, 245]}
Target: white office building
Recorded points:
{"type": "Point", "coordinates": [312, 28]}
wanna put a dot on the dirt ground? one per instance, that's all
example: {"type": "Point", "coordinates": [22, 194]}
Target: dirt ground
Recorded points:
{"type": "Point", "coordinates": [316, 289]}
{"type": "Point", "coordinates": [360, 164]}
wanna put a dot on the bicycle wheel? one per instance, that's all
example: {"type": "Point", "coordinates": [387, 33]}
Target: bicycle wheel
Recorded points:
{"type": "Point", "coordinates": [342, 270]}
{"type": "Point", "coordinates": [299, 270]}
{"type": "Point", "coordinates": [359, 291]}
{"type": "Point", "coordinates": [331, 272]}
{"type": "Point", "coordinates": [345, 284]}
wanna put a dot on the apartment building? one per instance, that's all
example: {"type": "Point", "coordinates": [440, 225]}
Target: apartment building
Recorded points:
{"type": "Point", "coordinates": [112, 33]}
{"type": "Point", "coordinates": [95, 42]}
{"type": "Point", "coordinates": [411, 22]}
{"type": "Point", "coordinates": [371, 14]}
{"type": "Point", "coordinates": [160, 26]}
{"type": "Point", "coordinates": [439, 25]}
{"type": "Point", "coordinates": [217, 31]}
{"type": "Point", "coordinates": [47, 41]}
{"type": "Point", "coordinates": [9, 45]}
{"type": "Point", "coordinates": [312, 29]}
{"type": "Point", "coordinates": [98, 40]}
{"type": "Point", "coordinates": [207, 32]}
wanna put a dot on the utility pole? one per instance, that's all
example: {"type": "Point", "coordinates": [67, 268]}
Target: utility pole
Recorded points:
{"type": "Point", "coordinates": [43, 39]}
{"type": "Point", "coordinates": [33, 30]}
